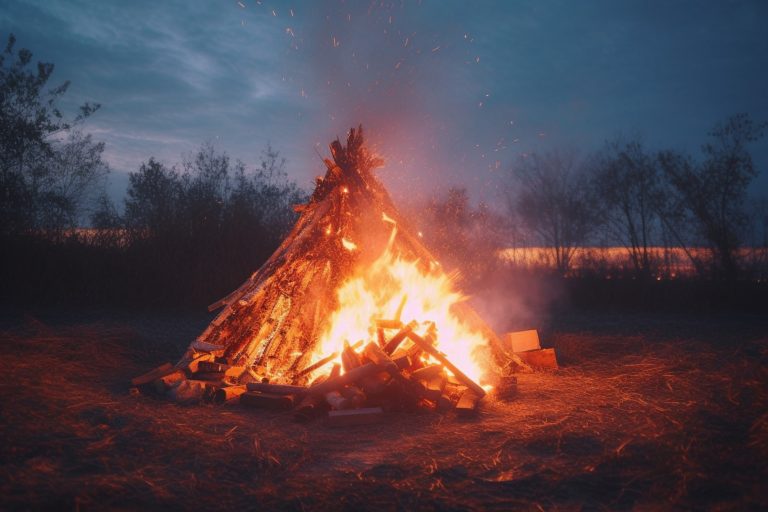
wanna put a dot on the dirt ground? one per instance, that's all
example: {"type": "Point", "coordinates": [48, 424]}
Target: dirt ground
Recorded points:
{"type": "Point", "coordinates": [647, 412]}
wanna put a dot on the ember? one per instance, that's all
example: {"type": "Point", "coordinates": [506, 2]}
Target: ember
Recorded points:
{"type": "Point", "coordinates": [321, 325]}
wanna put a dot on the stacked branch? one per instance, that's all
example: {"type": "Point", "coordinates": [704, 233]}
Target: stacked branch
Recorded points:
{"type": "Point", "coordinates": [400, 369]}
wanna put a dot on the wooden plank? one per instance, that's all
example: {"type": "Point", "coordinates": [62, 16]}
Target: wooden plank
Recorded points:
{"type": "Point", "coordinates": [276, 389]}
{"type": "Point", "coordinates": [398, 338]}
{"type": "Point", "coordinates": [225, 394]}
{"type": "Point", "coordinates": [545, 358]}
{"type": "Point", "coordinates": [152, 375]}
{"type": "Point", "coordinates": [168, 381]}
{"type": "Point", "coordinates": [355, 417]}
{"type": "Point", "coordinates": [461, 376]}
{"type": "Point", "coordinates": [467, 405]}
{"type": "Point", "coordinates": [520, 341]}
{"type": "Point", "coordinates": [266, 400]}
{"type": "Point", "coordinates": [337, 382]}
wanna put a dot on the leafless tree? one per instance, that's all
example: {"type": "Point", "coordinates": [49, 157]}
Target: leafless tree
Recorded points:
{"type": "Point", "coordinates": [713, 193]}
{"type": "Point", "coordinates": [627, 183]}
{"type": "Point", "coordinates": [549, 193]}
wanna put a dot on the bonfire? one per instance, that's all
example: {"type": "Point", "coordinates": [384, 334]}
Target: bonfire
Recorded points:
{"type": "Point", "coordinates": [351, 313]}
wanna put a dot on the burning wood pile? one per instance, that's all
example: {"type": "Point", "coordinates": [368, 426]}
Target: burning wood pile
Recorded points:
{"type": "Point", "coordinates": [400, 370]}
{"type": "Point", "coordinates": [349, 270]}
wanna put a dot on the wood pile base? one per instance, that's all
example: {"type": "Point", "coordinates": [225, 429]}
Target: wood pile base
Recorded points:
{"type": "Point", "coordinates": [398, 370]}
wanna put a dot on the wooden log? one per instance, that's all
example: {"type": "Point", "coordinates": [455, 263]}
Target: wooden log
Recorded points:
{"type": "Point", "coordinates": [319, 364]}
{"type": "Point", "coordinates": [467, 405]}
{"type": "Point", "coordinates": [276, 389]}
{"type": "Point", "coordinates": [227, 393]}
{"type": "Point", "coordinates": [409, 386]}
{"type": "Point", "coordinates": [428, 372]}
{"type": "Point", "coordinates": [209, 376]}
{"type": "Point", "coordinates": [210, 366]}
{"type": "Point", "coordinates": [380, 336]}
{"type": "Point", "coordinates": [194, 364]}
{"type": "Point", "coordinates": [204, 346]}
{"type": "Point", "coordinates": [382, 323]}
{"type": "Point", "coordinates": [191, 392]}
{"type": "Point", "coordinates": [339, 381]}
{"type": "Point", "coordinates": [169, 380]}
{"type": "Point", "coordinates": [545, 358]}
{"type": "Point", "coordinates": [434, 387]}
{"type": "Point", "coordinates": [152, 375]}
{"type": "Point", "coordinates": [349, 358]}
{"type": "Point", "coordinates": [402, 361]}
{"type": "Point", "coordinates": [336, 400]}
{"type": "Point", "coordinates": [398, 338]}
{"type": "Point", "coordinates": [431, 350]}
{"type": "Point", "coordinates": [266, 400]}
{"type": "Point", "coordinates": [310, 407]}
{"type": "Point", "coordinates": [355, 417]}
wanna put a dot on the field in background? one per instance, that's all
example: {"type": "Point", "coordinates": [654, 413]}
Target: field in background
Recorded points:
{"type": "Point", "coordinates": [670, 262]}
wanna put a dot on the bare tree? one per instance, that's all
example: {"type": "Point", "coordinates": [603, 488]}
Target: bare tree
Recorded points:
{"type": "Point", "coordinates": [713, 193]}
{"type": "Point", "coordinates": [32, 173]}
{"type": "Point", "coordinates": [550, 195]}
{"type": "Point", "coordinates": [627, 182]}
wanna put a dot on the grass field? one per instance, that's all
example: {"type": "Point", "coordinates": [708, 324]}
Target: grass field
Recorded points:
{"type": "Point", "coordinates": [648, 412]}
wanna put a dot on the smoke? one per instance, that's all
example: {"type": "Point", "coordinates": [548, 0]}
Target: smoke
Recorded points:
{"type": "Point", "coordinates": [407, 76]}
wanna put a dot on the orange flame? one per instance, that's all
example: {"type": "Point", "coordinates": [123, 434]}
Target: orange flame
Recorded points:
{"type": "Point", "coordinates": [379, 290]}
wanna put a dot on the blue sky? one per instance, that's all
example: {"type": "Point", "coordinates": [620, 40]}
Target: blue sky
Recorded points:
{"type": "Point", "coordinates": [451, 93]}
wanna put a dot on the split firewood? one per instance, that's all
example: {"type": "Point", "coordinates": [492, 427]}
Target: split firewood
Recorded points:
{"type": "Point", "coordinates": [335, 371]}
{"type": "Point", "coordinates": [152, 375]}
{"type": "Point", "coordinates": [204, 346]}
{"type": "Point", "coordinates": [431, 350]}
{"type": "Point", "coordinates": [169, 381]}
{"type": "Point", "coordinates": [353, 417]}
{"type": "Point", "coordinates": [194, 364]}
{"type": "Point", "coordinates": [543, 359]}
{"type": "Point", "coordinates": [398, 338]}
{"type": "Point", "coordinates": [388, 324]}
{"type": "Point", "coordinates": [310, 407]}
{"type": "Point", "coordinates": [227, 393]}
{"type": "Point", "coordinates": [319, 364]}
{"type": "Point", "coordinates": [266, 400]}
{"type": "Point", "coordinates": [467, 405]}
{"type": "Point", "coordinates": [427, 372]}
{"type": "Point", "coordinates": [339, 381]}
{"type": "Point", "coordinates": [380, 336]}
{"type": "Point", "coordinates": [434, 387]}
{"type": "Point", "coordinates": [337, 401]}
{"type": "Point", "coordinates": [276, 389]}
{"type": "Point", "coordinates": [211, 367]}
{"type": "Point", "coordinates": [191, 392]}
{"type": "Point", "coordinates": [378, 356]}
{"type": "Point", "coordinates": [209, 376]}
{"type": "Point", "coordinates": [402, 361]}
{"type": "Point", "coordinates": [349, 358]}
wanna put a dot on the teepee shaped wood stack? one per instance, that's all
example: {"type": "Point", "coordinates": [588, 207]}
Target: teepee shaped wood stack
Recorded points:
{"type": "Point", "coordinates": [271, 324]}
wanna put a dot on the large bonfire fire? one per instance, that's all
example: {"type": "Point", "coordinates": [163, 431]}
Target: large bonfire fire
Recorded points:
{"type": "Point", "coordinates": [351, 313]}
{"type": "Point", "coordinates": [394, 291]}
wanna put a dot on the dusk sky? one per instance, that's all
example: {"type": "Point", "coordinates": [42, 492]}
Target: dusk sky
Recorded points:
{"type": "Point", "coordinates": [451, 93]}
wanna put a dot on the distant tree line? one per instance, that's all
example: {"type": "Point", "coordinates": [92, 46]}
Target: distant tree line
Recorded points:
{"type": "Point", "coordinates": [189, 233]}
{"type": "Point", "coordinates": [625, 195]}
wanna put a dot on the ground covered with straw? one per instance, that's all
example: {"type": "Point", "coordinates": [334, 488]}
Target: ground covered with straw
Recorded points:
{"type": "Point", "coordinates": [647, 412]}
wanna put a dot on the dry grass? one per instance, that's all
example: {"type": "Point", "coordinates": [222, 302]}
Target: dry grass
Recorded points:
{"type": "Point", "coordinates": [644, 414]}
